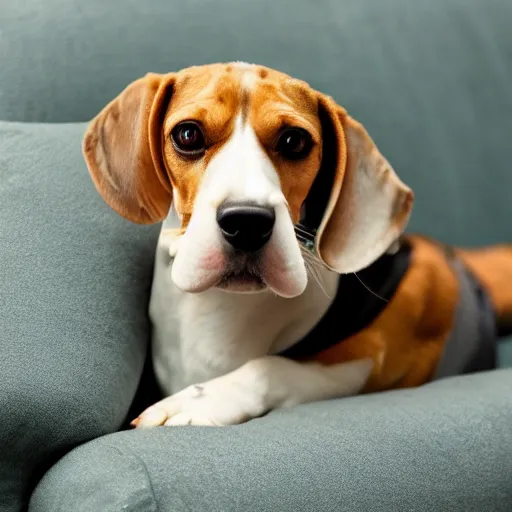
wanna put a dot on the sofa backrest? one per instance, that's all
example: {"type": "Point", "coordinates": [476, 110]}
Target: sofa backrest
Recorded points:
{"type": "Point", "coordinates": [430, 79]}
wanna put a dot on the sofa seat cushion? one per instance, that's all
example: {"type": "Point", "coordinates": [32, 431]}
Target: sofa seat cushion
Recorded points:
{"type": "Point", "coordinates": [444, 446]}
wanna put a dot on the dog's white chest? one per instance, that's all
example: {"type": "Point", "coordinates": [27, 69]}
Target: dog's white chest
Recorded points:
{"type": "Point", "coordinates": [197, 337]}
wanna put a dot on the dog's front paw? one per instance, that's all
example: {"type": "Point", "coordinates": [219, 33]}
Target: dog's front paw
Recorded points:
{"type": "Point", "coordinates": [214, 403]}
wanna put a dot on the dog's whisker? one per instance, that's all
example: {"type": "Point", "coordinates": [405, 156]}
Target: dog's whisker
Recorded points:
{"type": "Point", "coordinates": [315, 264]}
{"type": "Point", "coordinates": [304, 231]}
{"type": "Point", "coordinates": [305, 244]}
{"type": "Point", "coordinates": [312, 258]}
{"type": "Point", "coordinates": [314, 269]}
{"type": "Point", "coordinates": [310, 261]}
{"type": "Point", "coordinates": [314, 273]}
{"type": "Point", "coordinates": [305, 236]}
{"type": "Point", "coordinates": [369, 289]}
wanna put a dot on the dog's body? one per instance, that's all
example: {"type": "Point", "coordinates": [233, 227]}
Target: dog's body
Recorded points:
{"type": "Point", "coordinates": [254, 161]}
{"type": "Point", "coordinates": [207, 335]}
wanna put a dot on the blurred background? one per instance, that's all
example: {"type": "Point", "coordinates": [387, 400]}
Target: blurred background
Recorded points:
{"type": "Point", "coordinates": [429, 79]}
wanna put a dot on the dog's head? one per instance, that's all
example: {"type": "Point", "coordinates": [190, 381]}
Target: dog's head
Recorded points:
{"type": "Point", "coordinates": [252, 160]}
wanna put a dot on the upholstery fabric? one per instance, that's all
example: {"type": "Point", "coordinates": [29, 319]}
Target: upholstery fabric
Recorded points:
{"type": "Point", "coordinates": [430, 79]}
{"type": "Point", "coordinates": [74, 282]}
{"type": "Point", "coordinates": [439, 447]}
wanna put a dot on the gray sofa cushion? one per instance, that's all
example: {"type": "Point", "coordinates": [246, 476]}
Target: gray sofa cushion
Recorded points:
{"type": "Point", "coordinates": [74, 281]}
{"type": "Point", "coordinates": [74, 290]}
{"type": "Point", "coordinates": [443, 447]}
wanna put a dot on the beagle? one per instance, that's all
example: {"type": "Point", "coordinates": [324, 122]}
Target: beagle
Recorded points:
{"type": "Point", "coordinates": [282, 274]}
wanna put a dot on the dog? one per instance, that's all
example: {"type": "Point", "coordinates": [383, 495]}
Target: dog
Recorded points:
{"type": "Point", "coordinates": [282, 271]}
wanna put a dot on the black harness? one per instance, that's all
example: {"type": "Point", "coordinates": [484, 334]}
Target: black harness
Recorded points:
{"type": "Point", "coordinates": [359, 300]}
{"type": "Point", "coordinates": [360, 297]}
{"type": "Point", "coordinates": [470, 346]}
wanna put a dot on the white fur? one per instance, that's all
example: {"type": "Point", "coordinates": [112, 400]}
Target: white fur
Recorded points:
{"type": "Point", "coordinates": [200, 336]}
{"type": "Point", "coordinates": [249, 80]}
{"type": "Point", "coordinates": [224, 342]}
{"type": "Point", "coordinates": [213, 350]}
{"type": "Point", "coordinates": [240, 171]}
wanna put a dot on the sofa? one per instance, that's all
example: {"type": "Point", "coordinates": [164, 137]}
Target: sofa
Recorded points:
{"type": "Point", "coordinates": [430, 79]}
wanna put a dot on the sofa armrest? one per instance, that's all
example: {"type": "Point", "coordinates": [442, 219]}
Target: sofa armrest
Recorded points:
{"type": "Point", "coordinates": [74, 286]}
{"type": "Point", "coordinates": [444, 446]}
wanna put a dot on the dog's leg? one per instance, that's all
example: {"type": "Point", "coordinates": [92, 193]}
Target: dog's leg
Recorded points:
{"type": "Point", "coordinates": [255, 388]}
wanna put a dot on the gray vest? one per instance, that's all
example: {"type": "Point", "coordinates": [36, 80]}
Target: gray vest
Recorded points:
{"type": "Point", "coordinates": [471, 346]}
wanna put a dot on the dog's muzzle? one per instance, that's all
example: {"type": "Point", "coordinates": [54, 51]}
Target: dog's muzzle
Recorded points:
{"type": "Point", "coordinates": [246, 227]}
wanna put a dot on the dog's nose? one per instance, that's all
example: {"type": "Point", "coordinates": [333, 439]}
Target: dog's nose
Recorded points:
{"type": "Point", "coordinates": [247, 227]}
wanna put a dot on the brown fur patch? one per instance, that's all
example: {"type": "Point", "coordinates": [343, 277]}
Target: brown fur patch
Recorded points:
{"type": "Point", "coordinates": [213, 96]}
{"type": "Point", "coordinates": [407, 338]}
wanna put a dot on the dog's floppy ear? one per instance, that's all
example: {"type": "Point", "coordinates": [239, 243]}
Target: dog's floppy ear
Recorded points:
{"type": "Point", "coordinates": [123, 150]}
{"type": "Point", "coordinates": [369, 206]}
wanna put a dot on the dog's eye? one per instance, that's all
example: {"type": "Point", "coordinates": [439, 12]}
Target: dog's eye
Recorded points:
{"type": "Point", "coordinates": [188, 138]}
{"type": "Point", "coordinates": [294, 143]}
